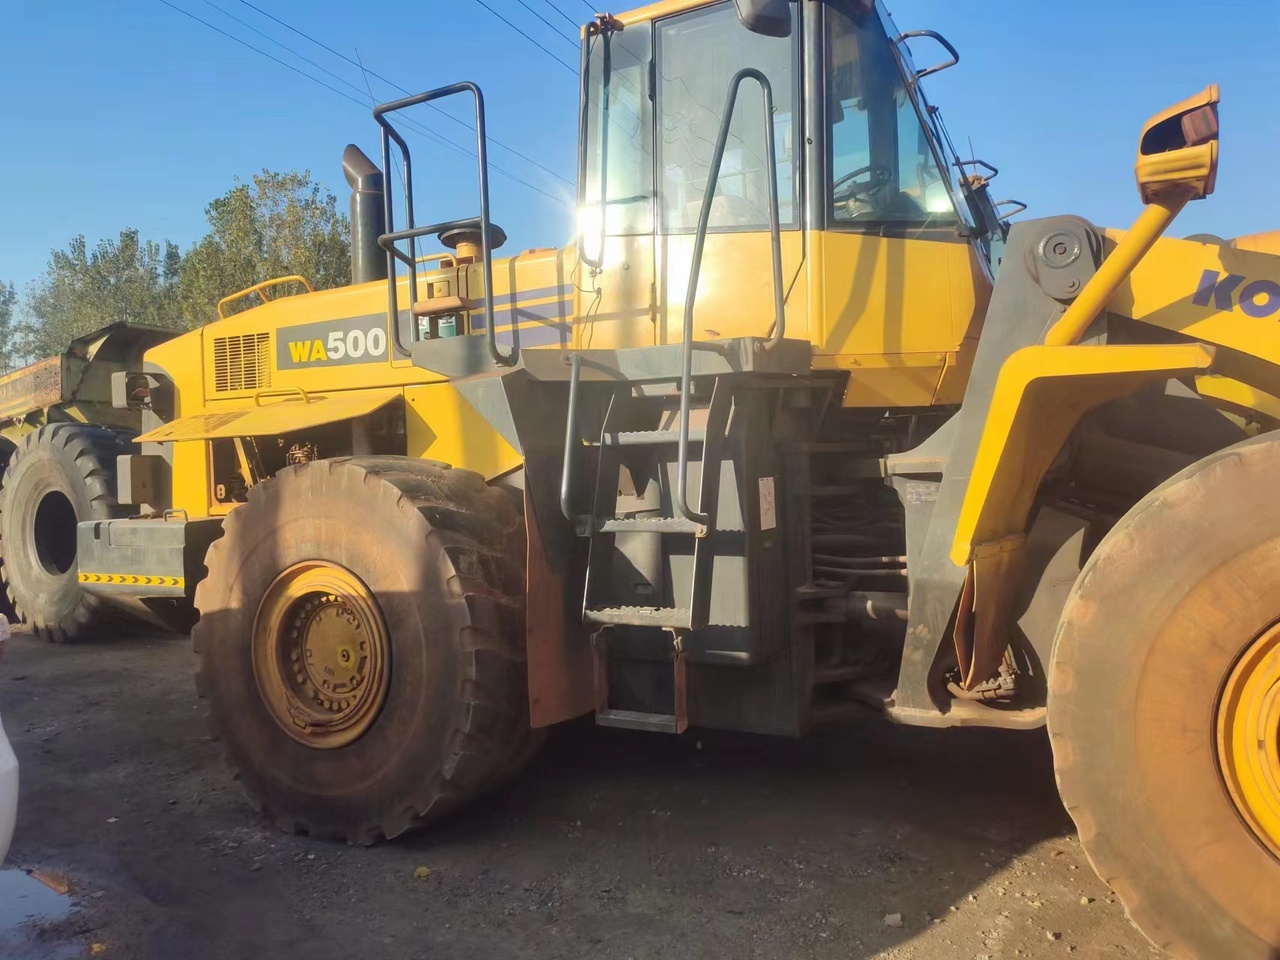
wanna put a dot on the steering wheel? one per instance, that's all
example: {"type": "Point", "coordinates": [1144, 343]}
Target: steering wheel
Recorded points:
{"type": "Point", "coordinates": [845, 187]}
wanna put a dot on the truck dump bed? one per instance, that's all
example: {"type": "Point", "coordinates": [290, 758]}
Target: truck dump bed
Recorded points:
{"type": "Point", "coordinates": [76, 384]}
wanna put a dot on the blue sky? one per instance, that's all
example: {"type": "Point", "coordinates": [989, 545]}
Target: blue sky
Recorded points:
{"type": "Point", "coordinates": [129, 114]}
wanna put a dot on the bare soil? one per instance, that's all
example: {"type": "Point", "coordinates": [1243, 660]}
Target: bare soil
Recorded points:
{"type": "Point", "coordinates": [611, 845]}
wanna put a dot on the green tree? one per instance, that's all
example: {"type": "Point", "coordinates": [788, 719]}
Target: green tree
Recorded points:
{"type": "Point", "coordinates": [124, 279]}
{"type": "Point", "coordinates": [8, 300]}
{"type": "Point", "coordinates": [280, 224]}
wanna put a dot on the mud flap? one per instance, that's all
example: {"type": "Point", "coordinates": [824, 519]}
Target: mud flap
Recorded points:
{"type": "Point", "coordinates": [986, 603]}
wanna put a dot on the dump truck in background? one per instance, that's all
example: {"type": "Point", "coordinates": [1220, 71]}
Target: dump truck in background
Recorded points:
{"type": "Point", "coordinates": [60, 439]}
{"type": "Point", "coordinates": [796, 426]}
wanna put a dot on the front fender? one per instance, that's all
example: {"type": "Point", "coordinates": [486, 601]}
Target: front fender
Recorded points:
{"type": "Point", "coordinates": [1040, 396]}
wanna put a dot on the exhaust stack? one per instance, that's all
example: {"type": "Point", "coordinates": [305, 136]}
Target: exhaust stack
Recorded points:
{"type": "Point", "coordinates": [368, 220]}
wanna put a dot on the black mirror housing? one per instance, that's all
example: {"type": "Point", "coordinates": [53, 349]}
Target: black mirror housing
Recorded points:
{"type": "Point", "coordinates": [772, 18]}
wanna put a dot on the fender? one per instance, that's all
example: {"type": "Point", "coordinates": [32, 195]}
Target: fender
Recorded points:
{"type": "Point", "coordinates": [1040, 396]}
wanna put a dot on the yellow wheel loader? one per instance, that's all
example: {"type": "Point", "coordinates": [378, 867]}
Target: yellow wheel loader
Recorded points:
{"type": "Point", "coordinates": [796, 426]}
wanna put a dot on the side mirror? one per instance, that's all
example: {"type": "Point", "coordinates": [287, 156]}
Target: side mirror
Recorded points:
{"type": "Point", "coordinates": [1179, 148]}
{"type": "Point", "coordinates": [772, 18]}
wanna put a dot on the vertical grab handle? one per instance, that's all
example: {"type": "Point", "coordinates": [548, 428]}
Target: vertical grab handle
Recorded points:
{"type": "Point", "coordinates": [680, 497]}
{"type": "Point", "coordinates": [571, 442]}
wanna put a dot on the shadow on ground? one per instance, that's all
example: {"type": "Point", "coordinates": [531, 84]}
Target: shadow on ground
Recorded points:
{"type": "Point", "coordinates": [611, 845]}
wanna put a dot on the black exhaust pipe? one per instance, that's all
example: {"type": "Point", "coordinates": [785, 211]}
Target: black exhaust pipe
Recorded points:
{"type": "Point", "coordinates": [368, 221]}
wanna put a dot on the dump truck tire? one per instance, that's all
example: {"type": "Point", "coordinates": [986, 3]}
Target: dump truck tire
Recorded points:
{"type": "Point", "coordinates": [361, 644]}
{"type": "Point", "coordinates": [59, 475]}
{"type": "Point", "coordinates": [6, 604]}
{"type": "Point", "coordinates": [1166, 756]}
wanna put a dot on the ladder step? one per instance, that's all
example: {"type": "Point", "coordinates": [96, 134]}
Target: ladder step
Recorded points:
{"type": "Point", "coordinates": [639, 616]}
{"type": "Point", "coordinates": [635, 720]}
{"type": "Point", "coordinates": [651, 438]}
{"type": "Point", "coordinates": [648, 525]}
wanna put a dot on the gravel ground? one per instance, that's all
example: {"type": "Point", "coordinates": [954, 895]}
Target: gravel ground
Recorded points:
{"type": "Point", "coordinates": [865, 841]}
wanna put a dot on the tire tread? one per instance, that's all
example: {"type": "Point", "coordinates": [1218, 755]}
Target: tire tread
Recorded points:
{"type": "Point", "coordinates": [92, 449]}
{"type": "Point", "coordinates": [476, 528]}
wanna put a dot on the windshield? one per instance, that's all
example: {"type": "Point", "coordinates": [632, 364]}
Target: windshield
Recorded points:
{"type": "Point", "coordinates": [883, 169]}
{"type": "Point", "coordinates": [930, 115]}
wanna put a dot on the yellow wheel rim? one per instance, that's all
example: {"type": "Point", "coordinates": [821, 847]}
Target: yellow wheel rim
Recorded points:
{"type": "Point", "coordinates": [1248, 736]}
{"type": "Point", "coordinates": [320, 654]}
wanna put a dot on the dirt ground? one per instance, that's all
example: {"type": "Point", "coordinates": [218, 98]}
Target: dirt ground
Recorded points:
{"type": "Point", "coordinates": [611, 845]}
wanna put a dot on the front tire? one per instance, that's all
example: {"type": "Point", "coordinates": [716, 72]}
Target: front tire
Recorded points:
{"type": "Point", "coordinates": [361, 644]}
{"type": "Point", "coordinates": [1147, 699]}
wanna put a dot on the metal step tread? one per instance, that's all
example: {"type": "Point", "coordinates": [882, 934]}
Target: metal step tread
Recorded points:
{"type": "Point", "coordinates": [648, 525]}
{"type": "Point", "coordinates": [635, 720]}
{"type": "Point", "coordinates": [639, 616]}
{"type": "Point", "coordinates": [651, 438]}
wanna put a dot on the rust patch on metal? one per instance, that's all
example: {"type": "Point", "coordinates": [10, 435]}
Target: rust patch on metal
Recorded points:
{"type": "Point", "coordinates": [561, 667]}
{"type": "Point", "coordinates": [681, 709]}
{"type": "Point", "coordinates": [986, 609]}
{"type": "Point", "coordinates": [31, 388]}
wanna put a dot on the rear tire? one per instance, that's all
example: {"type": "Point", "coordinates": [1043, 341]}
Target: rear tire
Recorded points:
{"type": "Point", "coordinates": [422, 560]}
{"type": "Point", "coordinates": [60, 475]}
{"type": "Point", "coordinates": [1149, 643]}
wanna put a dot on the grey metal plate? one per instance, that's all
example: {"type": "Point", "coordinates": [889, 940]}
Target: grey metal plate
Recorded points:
{"type": "Point", "coordinates": [468, 356]}
{"type": "Point", "coordinates": [137, 558]}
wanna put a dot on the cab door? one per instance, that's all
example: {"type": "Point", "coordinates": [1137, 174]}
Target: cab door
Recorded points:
{"type": "Point", "coordinates": [902, 288]}
{"type": "Point", "coordinates": [696, 55]}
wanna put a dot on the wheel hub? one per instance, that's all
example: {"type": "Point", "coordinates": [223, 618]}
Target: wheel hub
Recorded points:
{"type": "Point", "coordinates": [54, 533]}
{"type": "Point", "coordinates": [1248, 737]}
{"type": "Point", "coordinates": [320, 654]}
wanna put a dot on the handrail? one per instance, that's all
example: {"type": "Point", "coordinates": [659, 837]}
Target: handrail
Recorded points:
{"type": "Point", "coordinates": [679, 497]}
{"type": "Point", "coordinates": [571, 442]}
{"type": "Point", "coordinates": [435, 257]}
{"type": "Point", "coordinates": [261, 290]}
{"type": "Point", "coordinates": [992, 170]}
{"type": "Point", "coordinates": [606, 72]}
{"type": "Point", "coordinates": [389, 239]}
{"type": "Point", "coordinates": [997, 204]}
{"type": "Point", "coordinates": [946, 45]}
{"type": "Point", "coordinates": [281, 392]}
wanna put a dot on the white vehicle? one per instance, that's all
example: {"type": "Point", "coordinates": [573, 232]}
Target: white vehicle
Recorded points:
{"type": "Point", "coordinates": [8, 771]}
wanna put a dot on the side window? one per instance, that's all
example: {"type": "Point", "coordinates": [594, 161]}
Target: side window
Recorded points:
{"type": "Point", "coordinates": [698, 55]}
{"type": "Point", "coordinates": [619, 133]}
{"type": "Point", "coordinates": [882, 168]}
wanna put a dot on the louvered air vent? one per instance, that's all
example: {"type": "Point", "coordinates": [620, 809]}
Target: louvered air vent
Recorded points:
{"type": "Point", "coordinates": [242, 363]}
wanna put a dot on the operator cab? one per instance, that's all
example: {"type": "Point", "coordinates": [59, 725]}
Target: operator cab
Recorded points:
{"type": "Point", "coordinates": [653, 96]}
{"type": "Point", "coordinates": [858, 154]}
{"type": "Point", "coordinates": [774, 165]}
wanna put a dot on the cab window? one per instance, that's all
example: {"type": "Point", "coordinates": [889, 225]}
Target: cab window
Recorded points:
{"type": "Point", "coordinates": [881, 164]}
{"type": "Point", "coordinates": [619, 134]}
{"type": "Point", "coordinates": [698, 54]}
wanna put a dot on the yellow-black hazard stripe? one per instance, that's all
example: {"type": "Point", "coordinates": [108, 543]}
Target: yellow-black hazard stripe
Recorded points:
{"type": "Point", "coordinates": [132, 579]}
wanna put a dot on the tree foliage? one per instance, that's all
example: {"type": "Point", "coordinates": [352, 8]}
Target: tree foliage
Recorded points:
{"type": "Point", "coordinates": [124, 279]}
{"type": "Point", "coordinates": [277, 225]}
{"type": "Point", "coordinates": [280, 224]}
{"type": "Point", "coordinates": [8, 299]}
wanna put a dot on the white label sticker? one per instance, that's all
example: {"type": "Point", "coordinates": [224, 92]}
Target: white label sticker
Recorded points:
{"type": "Point", "coordinates": [768, 507]}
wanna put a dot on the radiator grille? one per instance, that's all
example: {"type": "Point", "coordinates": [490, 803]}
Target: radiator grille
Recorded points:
{"type": "Point", "coordinates": [242, 363]}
